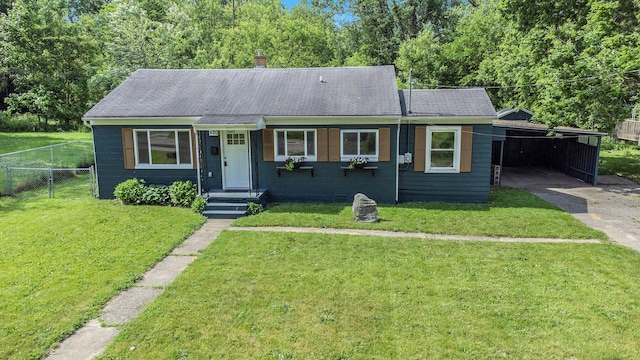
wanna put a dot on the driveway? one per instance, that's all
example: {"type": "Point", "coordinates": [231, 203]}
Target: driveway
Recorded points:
{"type": "Point", "coordinates": [612, 206]}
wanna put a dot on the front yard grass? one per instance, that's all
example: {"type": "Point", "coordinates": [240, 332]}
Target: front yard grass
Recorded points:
{"type": "Point", "coordinates": [269, 295]}
{"type": "Point", "coordinates": [62, 260]}
{"type": "Point", "coordinates": [510, 212]}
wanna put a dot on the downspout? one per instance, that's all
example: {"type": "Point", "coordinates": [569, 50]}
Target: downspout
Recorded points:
{"type": "Point", "coordinates": [198, 159]}
{"type": "Point", "coordinates": [396, 161]}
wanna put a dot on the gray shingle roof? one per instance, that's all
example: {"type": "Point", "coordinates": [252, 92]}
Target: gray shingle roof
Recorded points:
{"type": "Point", "coordinates": [346, 91]}
{"type": "Point", "coordinates": [447, 102]}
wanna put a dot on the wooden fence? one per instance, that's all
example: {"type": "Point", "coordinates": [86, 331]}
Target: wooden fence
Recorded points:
{"type": "Point", "coordinates": [628, 130]}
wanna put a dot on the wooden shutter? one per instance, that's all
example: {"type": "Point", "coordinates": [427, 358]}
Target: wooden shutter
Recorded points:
{"type": "Point", "coordinates": [420, 149]}
{"type": "Point", "coordinates": [384, 144]}
{"type": "Point", "coordinates": [194, 149]}
{"type": "Point", "coordinates": [127, 148]}
{"type": "Point", "coordinates": [466, 147]}
{"type": "Point", "coordinates": [267, 145]}
{"type": "Point", "coordinates": [334, 145]}
{"type": "Point", "coordinates": [323, 145]}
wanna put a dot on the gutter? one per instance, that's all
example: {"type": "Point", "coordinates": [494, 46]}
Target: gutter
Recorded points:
{"type": "Point", "coordinates": [396, 161]}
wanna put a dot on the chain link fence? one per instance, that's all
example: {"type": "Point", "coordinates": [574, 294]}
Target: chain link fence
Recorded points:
{"type": "Point", "coordinates": [61, 171]}
{"type": "Point", "coordinates": [49, 182]}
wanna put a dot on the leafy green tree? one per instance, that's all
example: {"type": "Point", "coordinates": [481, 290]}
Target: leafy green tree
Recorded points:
{"type": "Point", "coordinates": [48, 59]}
{"type": "Point", "coordinates": [573, 60]}
{"type": "Point", "coordinates": [453, 57]}
{"type": "Point", "coordinates": [572, 65]}
{"type": "Point", "coordinates": [385, 24]}
{"type": "Point", "coordinates": [130, 40]}
{"type": "Point", "coordinates": [301, 38]}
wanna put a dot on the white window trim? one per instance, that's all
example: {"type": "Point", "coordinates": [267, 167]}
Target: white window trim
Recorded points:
{"type": "Point", "coordinates": [162, 166]}
{"type": "Point", "coordinates": [308, 158]}
{"type": "Point", "coordinates": [457, 130]}
{"type": "Point", "coordinates": [347, 157]}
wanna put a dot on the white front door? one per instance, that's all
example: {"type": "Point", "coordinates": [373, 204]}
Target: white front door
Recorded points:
{"type": "Point", "coordinates": [235, 159]}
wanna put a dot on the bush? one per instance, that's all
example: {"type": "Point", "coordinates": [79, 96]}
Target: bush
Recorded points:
{"type": "Point", "coordinates": [253, 208]}
{"type": "Point", "coordinates": [131, 191]}
{"type": "Point", "coordinates": [183, 193]}
{"type": "Point", "coordinates": [157, 195]}
{"type": "Point", "coordinates": [198, 205]}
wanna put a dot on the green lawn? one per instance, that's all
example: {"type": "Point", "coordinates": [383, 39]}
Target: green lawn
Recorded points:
{"type": "Point", "coordinates": [268, 295]}
{"type": "Point", "coordinates": [10, 142]}
{"type": "Point", "coordinates": [72, 155]}
{"type": "Point", "coordinates": [510, 212]}
{"type": "Point", "coordinates": [62, 260]}
{"type": "Point", "coordinates": [622, 160]}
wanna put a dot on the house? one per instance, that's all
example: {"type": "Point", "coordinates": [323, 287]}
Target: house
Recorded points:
{"type": "Point", "coordinates": [230, 131]}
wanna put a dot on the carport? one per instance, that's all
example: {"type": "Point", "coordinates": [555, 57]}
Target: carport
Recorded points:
{"type": "Point", "coordinates": [572, 151]}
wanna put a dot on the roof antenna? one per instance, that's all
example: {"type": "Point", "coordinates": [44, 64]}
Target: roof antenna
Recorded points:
{"type": "Point", "coordinates": [410, 88]}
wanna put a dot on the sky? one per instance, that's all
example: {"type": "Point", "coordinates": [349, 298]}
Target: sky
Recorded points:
{"type": "Point", "coordinates": [290, 3]}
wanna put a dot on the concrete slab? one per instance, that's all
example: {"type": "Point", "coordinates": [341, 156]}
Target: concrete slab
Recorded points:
{"type": "Point", "coordinates": [165, 271]}
{"type": "Point", "coordinates": [200, 239]}
{"type": "Point", "coordinates": [86, 343]}
{"type": "Point", "coordinates": [128, 304]}
{"type": "Point", "coordinates": [613, 206]}
{"type": "Point", "coordinates": [397, 234]}
{"type": "Point", "coordinates": [195, 244]}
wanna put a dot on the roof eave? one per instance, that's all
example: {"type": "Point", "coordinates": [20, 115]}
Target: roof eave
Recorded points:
{"type": "Point", "coordinates": [333, 120]}
{"type": "Point", "coordinates": [133, 121]}
{"type": "Point", "coordinates": [442, 119]}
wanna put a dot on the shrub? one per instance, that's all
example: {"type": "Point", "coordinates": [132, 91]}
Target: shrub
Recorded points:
{"type": "Point", "coordinates": [157, 195]}
{"type": "Point", "coordinates": [198, 204]}
{"type": "Point", "coordinates": [253, 208]}
{"type": "Point", "coordinates": [130, 191]}
{"type": "Point", "coordinates": [183, 193]}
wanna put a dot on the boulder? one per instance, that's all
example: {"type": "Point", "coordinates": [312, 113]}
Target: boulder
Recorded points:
{"type": "Point", "coordinates": [364, 209]}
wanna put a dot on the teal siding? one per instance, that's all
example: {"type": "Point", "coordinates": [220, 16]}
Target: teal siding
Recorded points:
{"type": "Point", "coordinates": [470, 187]}
{"type": "Point", "coordinates": [212, 163]}
{"type": "Point", "coordinates": [329, 184]}
{"type": "Point", "coordinates": [110, 162]}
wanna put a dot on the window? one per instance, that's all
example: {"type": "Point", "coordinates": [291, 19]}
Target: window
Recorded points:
{"type": "Point", "coordinates": [443, 149]}
{"type": "Point", "coordinates": [236, 139]}
{"type": "Point", "coordinates": [362, 143]}
{"type": "Point", "coordinates": [163, 148]}
{"type": "Point", "coordinates": [300, 143]}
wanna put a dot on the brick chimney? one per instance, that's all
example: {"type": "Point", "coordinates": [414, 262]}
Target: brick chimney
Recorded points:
{"type": "Point", "coordinates": [260, 61]}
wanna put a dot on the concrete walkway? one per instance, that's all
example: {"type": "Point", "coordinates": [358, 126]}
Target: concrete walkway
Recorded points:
{"type": "Point", "coordinates": [91, 340]}
{"type": "Point", "coordinates": [412, 235]}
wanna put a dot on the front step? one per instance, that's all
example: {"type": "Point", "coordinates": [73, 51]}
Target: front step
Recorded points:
{"type": "Point", "coordinates": [223, 214]}
{"type": "Point", "coordinates": [225, 209]}
{"type": "Point", "coordinates": [230, 205]}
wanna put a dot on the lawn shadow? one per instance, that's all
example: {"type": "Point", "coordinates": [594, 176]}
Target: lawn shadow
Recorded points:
{"type": "Point", "coordinates": [438, 206]}
{"type": "Point", "coordinates": [9, 204]}
{"type": "Point", "coordinates": [307, 208]}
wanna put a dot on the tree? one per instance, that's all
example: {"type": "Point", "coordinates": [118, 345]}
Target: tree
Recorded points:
{"type": "Point", "coordinates": [453, 57]}
{"type": "Point", "coordinates": [300, 38]}
{"type": "Point", "coordinates": [48, 59]}
{"type": "Point", "coordinates": [571, 65]}
{"type": "Point", "coordinates": [385, 24]}
{"type": "Point", "coordinates": [130, 40]}
{"type": "Point", "coordinates": [573, 60]}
